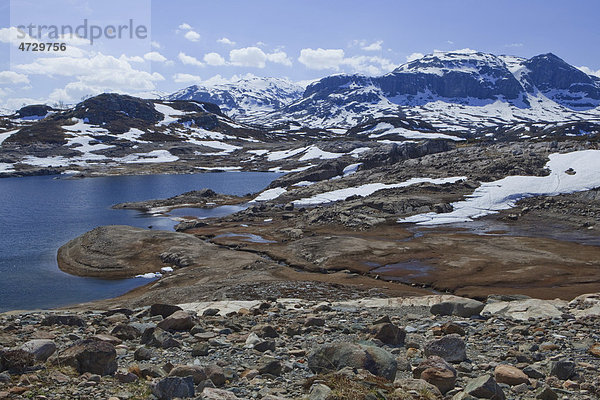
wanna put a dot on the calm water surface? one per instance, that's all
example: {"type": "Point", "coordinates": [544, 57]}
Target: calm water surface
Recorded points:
{"type": "Point", "coordinates": [40, 214]}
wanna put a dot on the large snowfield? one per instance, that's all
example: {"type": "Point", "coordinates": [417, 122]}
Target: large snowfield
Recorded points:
{"type": "Point", "coordinates": [570, 172]}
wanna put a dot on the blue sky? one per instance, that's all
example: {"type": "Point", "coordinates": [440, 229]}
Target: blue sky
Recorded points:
{"type": "Point", "coordinates": [212, 41]}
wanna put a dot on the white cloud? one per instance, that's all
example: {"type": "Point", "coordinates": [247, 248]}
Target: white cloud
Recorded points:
{"type": "Point", "coordinates": [94, 74]}
{"type": "Point", "coordinates": [248, 57]}
{"type": "Point", "coordinates": [186, 78]}
{"type": "Point", "coordinates": [322, 58]}
{"type": "Point", "coordinates": [369, 65]}
{"type": "Point", "coordinates": [214, 59]}
{"type": "Point", "coordinates": [189, 60]}
{"type": "Point", "coordinates": [375, 46]}
{"type": "Point", "coordinates": [414, 56]}
{"type": "Point", "coordinates": [13, 78]}
{"type": "Point", "coordinates": [155, 56]}
{"type": "Point", "coordinates": [226, 41]}
{"type": "Point", "coordinates": [185, 27]}
{"type": "Point", "coordinates": [335, 59]}
{"type": "Point", "coordinates": [280, 57]}
{"type": "Point", "coordinates": [136, 59]}
{"type": "Point", "coordinates": [155, 45]}
{"type": "Point", "coordinates": [14, 36]}
{"type": "Point", "coordinates": [192, 36]}
{"type": "Point", "coordinates": [589, 71]}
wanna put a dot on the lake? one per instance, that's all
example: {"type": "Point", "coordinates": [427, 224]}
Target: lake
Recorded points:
{"type": "Point", "coordinates": [39, 214]}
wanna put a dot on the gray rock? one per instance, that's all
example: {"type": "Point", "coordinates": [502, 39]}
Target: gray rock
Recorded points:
{"type": "Point", "coordinates": [172, 387]}
{"type": "Point", "coordinates": [269, 365]}
{"type": "Point", "coordinates": [17, 361]}
{"type": "Point", "coordinates": [70, 320]}
{"type": "Point", "coordinates": [534, 371]}
{"type": "Point", "coordinates": [157, 337]}
{"type": "Point", "coordinates": [216, 374]}
{"type": "Point", "coordinates": [218, 394]}
{"type": "Point", "coordinates": [318, 391]}
{"type": "Point", "coordinates": [484, 387]}
{"type": "Point", "coordinates": [389, 333]}
{"type": "Point", "coordinates": [563, 369]}
{"type": "Point", "coordinates": [164, 310]}
{"type": "Point", "coordinates": [211, 312]}
{"type": "Point", "coordinates": [143, 354]}
{"type": "Point", "coordinates": [461, 307]}
{"type": "Point", "coordinates": [41, 349]}
{"type": "Point", "coordinates": [195, 371]}
{"type": "Point", "coordinates": [89, 355]}
{"type": "Point", "coordinates": [545, 393]}
{"type": "Point", "coordinates": [200, 349]}
{"type": "Point", "coordinates": [126, 332]}
{"type": "Point", "coordinates": [450, 347]}
{"type": "Point", "coordinates": [335, 356]}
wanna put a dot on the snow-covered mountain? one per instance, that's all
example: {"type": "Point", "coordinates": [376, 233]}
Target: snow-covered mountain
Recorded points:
{"type": "Point", "coordinates": [464, 91]}
{"type": "Point", "coordinates": [245, 97]}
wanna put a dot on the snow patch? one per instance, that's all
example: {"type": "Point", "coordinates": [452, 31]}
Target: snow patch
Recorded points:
{"type": "Point", "coordinates": [502, 194]}
{"type": "Point", "coordinates": [368, 189]}
{"type": "Point", "coordinates": [269, 194]}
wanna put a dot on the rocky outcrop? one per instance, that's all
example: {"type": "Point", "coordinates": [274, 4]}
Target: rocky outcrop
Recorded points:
{"type": "Point", "coordinates": [123, 251]}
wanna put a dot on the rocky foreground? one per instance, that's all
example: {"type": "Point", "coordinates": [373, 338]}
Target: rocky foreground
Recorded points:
{"type": "Point", "coordinates": [432, 347]}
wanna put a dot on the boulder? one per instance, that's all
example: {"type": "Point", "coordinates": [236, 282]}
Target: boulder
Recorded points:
{"type": "Point", "coordinates": [510, 375]}
{"type": "Point", "coordinates": [563, 369]}
{"type": "Point", "coordinates": [126, 332]}
{"type": "Point", "coordinates": [484, 387]}
{"type": "Point", "coordinates": [178, 321]}
{"type": "Point", "coordinates": [195, 371]}
{"type": "Point", "coordinates": [164, 310]}
{"type": "Point", "coordinates": [17, 361]}
{"type": "Point", "coordinates": [269, 365]}
{"type": "Point", "coordinates": [461, 307]}
{"type": "Point", "coordinates": [450, 347]}
{"type": "Point", "coordinates": [90, 355]}
{"type": "Point", "coordinates": [319, 391]}
{"type": "Point", "coordinates": [441, 378]}
{"type": "Point", "coordinates": [216, 374]}
{"type": "Point", "coordinates": [156, 337]}
{"type": "Point", "coordinates": [41, 349]}
{"type": "Point", "coordinates": [174, 387]}
{"type": "Point", "coordinates": [335, 356]}
{"type": "Point", "coordinates": [389, 333]}
{"type": "Point", "coordinates": [436, 371]}
{"type": "Point", "coordinates": [546, 393]}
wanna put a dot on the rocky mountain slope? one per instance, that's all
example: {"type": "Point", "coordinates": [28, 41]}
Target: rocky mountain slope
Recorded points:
{"type": "Point", "coordinates": [270, 124]}
{"type": "Point", "coordinates": [464, 91]}
{"type": "Point", "coordinates": [246, 97]}
{"type": "Point", "coordinates": [112, 130]}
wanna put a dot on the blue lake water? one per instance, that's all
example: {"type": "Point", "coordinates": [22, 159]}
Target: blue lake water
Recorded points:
{"type": "Point", "coordinates": [40, 214]}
